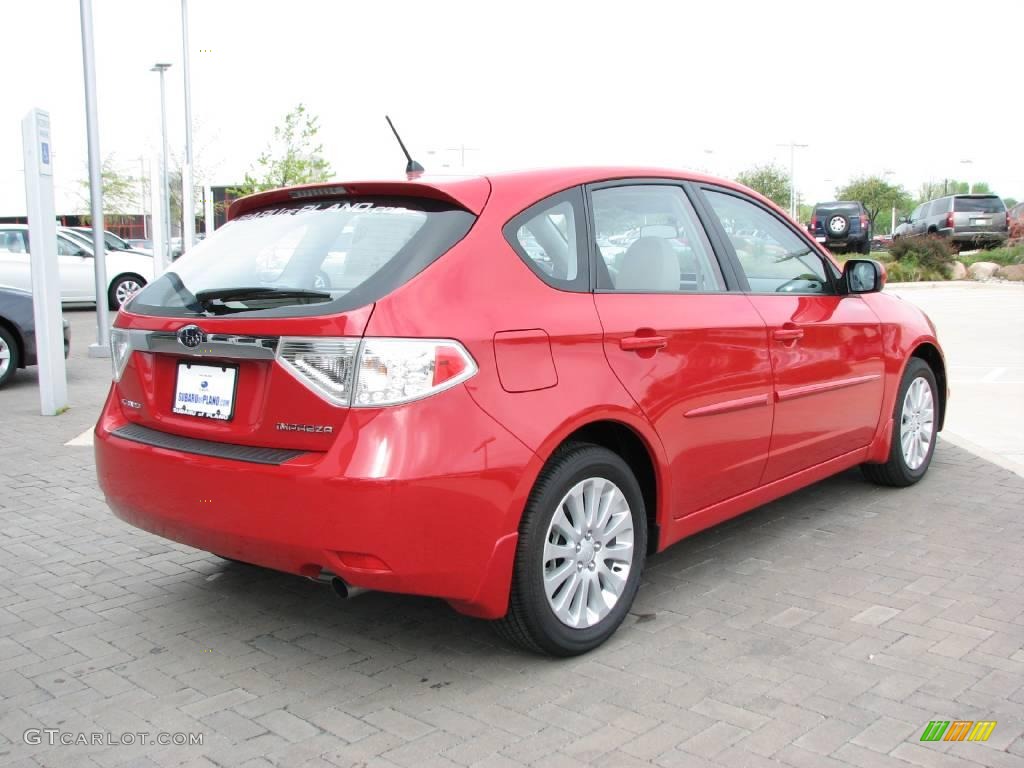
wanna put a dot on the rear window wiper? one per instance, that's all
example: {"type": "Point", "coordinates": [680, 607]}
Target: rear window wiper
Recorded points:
{"type": "Point", "coordinates": [216, 299]}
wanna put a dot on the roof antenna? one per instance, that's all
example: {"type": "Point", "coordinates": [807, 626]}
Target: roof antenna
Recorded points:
{"type": "Point", "coordinates": [413, 170]}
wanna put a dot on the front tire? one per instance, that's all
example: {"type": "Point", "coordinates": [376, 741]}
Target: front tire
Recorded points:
{"type": "Point", "coordinates": [915, 420]}
{"type": "Point", "coordinates": [582, 547]}
{"type": "Point", "coordinates": [123, 288]}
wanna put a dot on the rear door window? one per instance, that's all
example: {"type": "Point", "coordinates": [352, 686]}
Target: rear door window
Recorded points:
{"type": "Point", "coordinates": [306, 258]}
{"type": "Point", "coordinates": [979, 204]}
{"type": "Point", "coordinates": [650, 240]}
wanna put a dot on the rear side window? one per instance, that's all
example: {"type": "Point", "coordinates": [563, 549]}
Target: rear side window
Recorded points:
{"type": "Point", "coordinates": [978, 204]}
{"type": "Point", "coordinates": [939, 206]}
{"type": "Point", "coordinates": [307, 258]}
{"type": "Point", "coordinates": [13, 241]}
{"type": "Point", "coordinates": [550, 237]}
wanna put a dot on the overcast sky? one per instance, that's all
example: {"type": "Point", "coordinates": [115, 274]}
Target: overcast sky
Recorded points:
{"type": "Point", "coordinates": [909, 87]}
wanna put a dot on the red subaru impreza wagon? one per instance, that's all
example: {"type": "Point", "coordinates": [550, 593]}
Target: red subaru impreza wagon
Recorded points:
{"type": "Point", "coordinates": [504, 391]}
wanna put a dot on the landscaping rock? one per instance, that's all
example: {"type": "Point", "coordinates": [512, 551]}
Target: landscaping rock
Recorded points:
{"type": "Point", "coordinates": [1011, 272]}
{"type": "Point", "coordinates": [982, 270]}
{"type": "Point", "coordinates": [957, 271]}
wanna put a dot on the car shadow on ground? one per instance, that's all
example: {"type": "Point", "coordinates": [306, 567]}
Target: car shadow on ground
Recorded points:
{"type": "Point", "coordinates": [258, 606]}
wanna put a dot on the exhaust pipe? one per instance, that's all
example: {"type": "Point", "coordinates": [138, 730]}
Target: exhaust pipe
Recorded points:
{"type": "Point", "coordinates": [346, 591]}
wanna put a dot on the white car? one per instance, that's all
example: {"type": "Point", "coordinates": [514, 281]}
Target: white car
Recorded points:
{"type": "Point", "coordinates": [127, 271]}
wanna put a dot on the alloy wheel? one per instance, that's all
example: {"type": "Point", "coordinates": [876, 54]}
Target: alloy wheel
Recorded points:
{"type": "Point", "coordinates": [588, 552]}
{"type": "Point", "coordinates": [917, 423]}
{"type": "Point", "coordinates": [5, 357]}
{"type": "Point", "coordinates": [125, 289]}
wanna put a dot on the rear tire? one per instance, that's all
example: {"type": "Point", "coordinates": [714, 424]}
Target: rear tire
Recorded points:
{"type": "Point", "coordinates": [9, 360]}
{"type": "Point", "coordinates": [586, 510]}
{"type": "Point", "coordinates": [909, 457]}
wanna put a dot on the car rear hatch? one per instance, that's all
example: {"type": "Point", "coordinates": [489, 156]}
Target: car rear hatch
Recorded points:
{"type": "Point", "coordinates": [979, 213]}
{"type": "Point", "coordinates": [252, 338]}
{"type": "Point", "coordinates": [837, 221]}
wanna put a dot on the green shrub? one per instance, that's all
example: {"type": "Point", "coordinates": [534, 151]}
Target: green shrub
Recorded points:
{"type": "Point", "coordinates": [932, 253]}
{"type": "Point", "coordinates": [1013, 254]}
{"type": "Point", "coordinates": [911, 270]}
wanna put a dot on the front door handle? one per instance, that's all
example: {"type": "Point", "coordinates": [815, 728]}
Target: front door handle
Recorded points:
{"type": "Point", "coordinates": [788, 334]}
{"type": "Point", "coordinates": [634, 343]}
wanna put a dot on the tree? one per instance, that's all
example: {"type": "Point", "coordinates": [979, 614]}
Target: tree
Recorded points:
{"type": "Point", "coordinates": [876, 194]}
{"type": "Point", "coordinates": [770, 180]}
{"type": "Point", "coordinates": [120, 190]}
{"type": "Point", "coordinates": [292, 157]}
{"type": "Point", "coordinates": [1009, 202]}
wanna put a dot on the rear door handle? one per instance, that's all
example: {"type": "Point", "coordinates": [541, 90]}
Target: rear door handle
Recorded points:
{"type": "Point", "coordinates": [633, 343]}
{"type": "Point", "coordinates": [788, 334]}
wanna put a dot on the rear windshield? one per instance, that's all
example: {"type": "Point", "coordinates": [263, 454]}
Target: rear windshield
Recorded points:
{"type": "Point", "coordinates": [306, 258]}
{"type": "Point", "coordinates": [978, 204]}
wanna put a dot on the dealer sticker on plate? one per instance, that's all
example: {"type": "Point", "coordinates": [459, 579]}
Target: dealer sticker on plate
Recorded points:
{"type": "Point", "coordinates": [207, 391]}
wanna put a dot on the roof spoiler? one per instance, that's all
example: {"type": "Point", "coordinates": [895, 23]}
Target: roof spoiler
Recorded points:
{"type": "Point", "coordinates": [468, 193]}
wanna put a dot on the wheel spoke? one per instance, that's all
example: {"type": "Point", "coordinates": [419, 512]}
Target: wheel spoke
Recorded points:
{"type": "Point", "coordinates": [561, 524]}
{"type": "Point", "coordinates": [553, 551]}
{"type": "Point", "coordinates": [556, 577]}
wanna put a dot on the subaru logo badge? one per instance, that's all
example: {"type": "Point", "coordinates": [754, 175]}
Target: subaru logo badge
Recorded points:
{"type": "Point", "coordinates": [191, 336]}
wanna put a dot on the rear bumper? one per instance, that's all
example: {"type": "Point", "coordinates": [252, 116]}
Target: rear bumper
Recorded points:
{"type": "Point", "coordinates": [381, 509]}
{"type": "Point", "coordinates": [976, 237]}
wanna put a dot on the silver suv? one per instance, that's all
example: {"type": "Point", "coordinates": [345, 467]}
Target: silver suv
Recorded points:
{"type": "Point", "coordinates": [966, 220]}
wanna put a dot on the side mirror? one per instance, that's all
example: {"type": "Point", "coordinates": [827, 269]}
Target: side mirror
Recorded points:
{"type": "Point", "coordinates": [903, 220]}
{"type": "Point", "coordinates": [863, 276]}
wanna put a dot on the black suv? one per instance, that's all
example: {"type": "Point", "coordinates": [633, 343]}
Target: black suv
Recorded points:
{"type": "Point", "coordinates": [842, 226]}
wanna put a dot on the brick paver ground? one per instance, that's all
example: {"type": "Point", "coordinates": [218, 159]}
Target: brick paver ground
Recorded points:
{"type": "Point", "coordinates": [823, 630]}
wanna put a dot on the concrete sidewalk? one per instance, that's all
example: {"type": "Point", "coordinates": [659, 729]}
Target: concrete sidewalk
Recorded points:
{"type": "Point", "coordinates": [981, 329]}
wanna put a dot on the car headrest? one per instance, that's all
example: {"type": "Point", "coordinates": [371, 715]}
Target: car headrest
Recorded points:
{"type": "Point", "coordinates": [649, 264]}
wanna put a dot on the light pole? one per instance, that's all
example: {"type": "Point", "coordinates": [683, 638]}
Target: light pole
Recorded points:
{"type": "Point", "coordinates": [892, 224]}
{"type": "Point", "coordinates": [793, 147]}
{"type": "Point", "coordinates": [188, 212]}
{"type": "Point", "coordinates": [165, 192]}
{"type": "Point", "coordinates": [102, 346]}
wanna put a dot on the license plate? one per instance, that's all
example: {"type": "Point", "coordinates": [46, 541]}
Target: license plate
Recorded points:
{"type": "Point", "coordinates": [206, 391]}
{"type": "Point", "coordinates": [820, 238]}
{"type": "Point", "coordinates": [981, 222]}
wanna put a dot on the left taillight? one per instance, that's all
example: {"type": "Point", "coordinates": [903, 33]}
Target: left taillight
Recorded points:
{"type": "Point", "coordinates": [949, 220]}
{"type": "Point", "coordinates": [120, 350]}
{"type": "Point", "coordinates": [375, 371]}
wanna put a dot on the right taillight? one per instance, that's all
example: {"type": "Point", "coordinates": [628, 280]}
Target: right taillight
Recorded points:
{"type": "Point", "coordinates": [375, 371]}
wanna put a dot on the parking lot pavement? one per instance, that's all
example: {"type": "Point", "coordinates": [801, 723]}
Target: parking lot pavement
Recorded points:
{"type": "Point", "coordinates": [825, 629]}
{"type": "Point", "coordinates": [981, 327]}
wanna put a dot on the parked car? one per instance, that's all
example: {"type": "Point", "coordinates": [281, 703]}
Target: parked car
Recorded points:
{"type": "Point", "coordinates": [903, 227]}
{"type": "Point", "coordinates": [967, 221]}
{"type": "Point", "coordinates": [18, 332]}
{"type": "Point", "coordinates": [842, 226]}
{"type": "Point", "coordinates": [145, 246]}
{"type": "Point", "coordinates": [1015, 218]}
{"type": "Point", "coordinates": [484, 412]}
{"type": "Point", "coordinates": [127, 271]}
{"type": "Point", "coordinates": [113, 242]}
